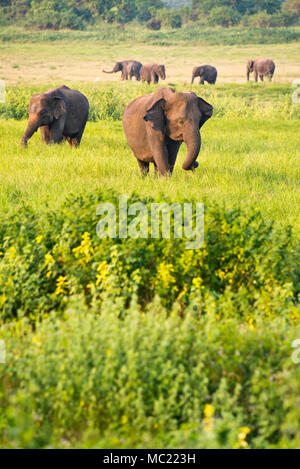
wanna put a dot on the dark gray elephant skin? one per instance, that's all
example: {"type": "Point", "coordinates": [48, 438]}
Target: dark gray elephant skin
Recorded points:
{"type": "Point", "coordinates": [129, 69]}
{"type": "Point", "coordinates": [155, 126]}
{"type": "Point", "coordinates": [261, 68]}
{"type": "Point", "coordinates": [60, 113]}
{"type": "Point", "coordinates": [206, 73]}
{"type": "Point", "coordinates": [151, 73]}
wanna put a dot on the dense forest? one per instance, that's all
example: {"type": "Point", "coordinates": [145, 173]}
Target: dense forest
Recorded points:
{"type": "Point", "coordinates": [78, 14]}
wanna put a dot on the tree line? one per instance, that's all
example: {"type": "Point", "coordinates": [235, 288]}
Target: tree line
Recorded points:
{"type": "Point", "coordinates": [78, 14]}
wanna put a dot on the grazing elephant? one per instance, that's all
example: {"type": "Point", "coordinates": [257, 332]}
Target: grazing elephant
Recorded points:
{"type": "Point", "coordinates": [155, 126]}
{"type": "Point", "coordinates": [206, 73]}
{"type": "Point", "coordinates": [152, 73]}
{"type": "Point", "coordinates": [129, 69]}
{"type": "Point", "coordinates": [261, 68]}
{"type": "Point", "coordinates": [60, 113]}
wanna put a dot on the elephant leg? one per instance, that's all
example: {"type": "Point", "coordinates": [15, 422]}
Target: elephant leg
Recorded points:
{"type": "Point", "coordinates": [56, 131]}
{"type": "Point", "coordinates": [261, 77]}
{"type": "Point", "coordinates": [45, 132]}
{"type": "Point", "coordinates": [144, 167]}
{"type": "Point", "coordinates": [201, 82]}
{"type": "Point", "coordinates": [256, 76]}
{"type": "Point", "coordinates": [173, 149]}
{"type": "Point", "coordinates": [73, 141]}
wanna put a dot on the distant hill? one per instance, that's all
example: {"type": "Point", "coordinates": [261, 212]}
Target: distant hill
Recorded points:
{"type": "Point", "coordinates": [177, 3]}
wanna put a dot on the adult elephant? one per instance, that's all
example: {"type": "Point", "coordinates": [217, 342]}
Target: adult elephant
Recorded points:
{"type": "Point", "coordinates": [206, 73]}
{"type": "Point", "coordinates": [59, 113]}
{"type": "Point", "coordinates": [152, 73]}
{"type": "Point", "coordinates": [261, 68]}
{"type": "Point", "coordinates": [156, 124]}
{"type": "Point", "coordinates": [129, 69]}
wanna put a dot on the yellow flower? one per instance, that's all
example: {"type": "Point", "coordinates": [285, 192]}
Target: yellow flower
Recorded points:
{"type": "Point", "coordinates": [36, 341]}
{"type": "Point", "coordinates": [61, 286]}
{"type": "Point", "coordinates": [208, 421]}
{"type": "Point", "coordinates": [124, 419]}
{"type": "Point", "coordinates": [108, 352]}
{"type": "Point", "coordinates": [39, 239]}
{"type": "Point", "coordinates": [85, 250]}
{"type": "Point", "coordinates": [102, 273]}
{"type": "Point", "coordinates": [197, 282]}
{"type": "Point", "coordinates": [81, 403]}
{"type": "Point", "coordinates": [243, 432]}
{"type": "Point", "coordinates": [165, 276]}
{"type": "Point", "coordinates": [48, 260]}
{"type": "Point", "coordinates": [209, 410]}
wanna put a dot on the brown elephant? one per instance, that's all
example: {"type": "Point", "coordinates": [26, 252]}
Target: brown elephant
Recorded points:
{"type": "Point", "coordinates": [59, 113]}
{"type": "Point", "coordinates": [206, 73]}
{"type": "Point", "coordinates": [155, 126]}
{"type": "Point", "coordinates": [152, 73]}
{"type": "Point", "coordinates": [261, 68]}
{"type": "Point", "coordinates": [129, 69]}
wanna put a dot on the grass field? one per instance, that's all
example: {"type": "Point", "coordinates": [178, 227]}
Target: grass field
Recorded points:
{"type": "Point", "coordinates": [43, 57]}
{"type": "Point", "coordinates": [124, 343]}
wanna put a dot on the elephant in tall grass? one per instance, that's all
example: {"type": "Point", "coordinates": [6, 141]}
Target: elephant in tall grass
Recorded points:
{"type": "Point", "coordinates": [152, 73]}
{"type": "Point", "coordinates": [60, 113]}
{"type": "Point", "coordinates": [129, 69]}
{"type": "Point", "coordinates": [206, 73]}
{"type": "Point", "coordinates": [156, 124]}
{"type": "Point", "coordinates": [261, 68]}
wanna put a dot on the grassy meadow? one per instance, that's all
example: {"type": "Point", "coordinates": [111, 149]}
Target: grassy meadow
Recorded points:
{"type": "Point", "coordinates": [140, 343]}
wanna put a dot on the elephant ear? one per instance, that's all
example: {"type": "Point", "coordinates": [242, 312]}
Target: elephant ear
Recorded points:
{"type": "Point", "coordinates": [206, 110]}
{"type": "Point", "coordinates": [59, 107]}
{"type": "Point", "coordinates": [156, 115]}
{"type": "Point", "coordinates": [250, 64]}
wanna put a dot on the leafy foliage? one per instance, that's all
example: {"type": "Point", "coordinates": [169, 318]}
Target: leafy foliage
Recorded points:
{"type": "Point", "coordinates": [77, 15]}
{"type": "Point", "coordinates": [189, 348]}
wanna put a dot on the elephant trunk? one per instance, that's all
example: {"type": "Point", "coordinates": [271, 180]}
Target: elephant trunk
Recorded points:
{"type": "Point", "coordinates": [112, 71]}
{"type": "Point", "coordinates": [248, 74]}
{"type": "Point", "coordinates": [192, 139]}
{"type": "Point", "coordinates": [33, 125]}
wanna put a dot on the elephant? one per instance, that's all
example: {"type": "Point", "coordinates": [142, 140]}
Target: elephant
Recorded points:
{"type": "Point", "coordinates": [129, 69]}
{"type": "Point", "coordinates": [152, 73]}
{"type": "Point", "coordinates": [156, 124]}
{"type": "Point", "coordinates": [60, 113]}
{"type": "Point", "coordinates": [261, 68]}
{"type": "Point", "coordinates": [206, 73]}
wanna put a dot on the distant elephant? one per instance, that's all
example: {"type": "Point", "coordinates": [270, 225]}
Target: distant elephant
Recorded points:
{"type": "Point", "coordinates": [206, 73]}
{"type": "Point", "coordinates": [155, 126]}
{"type": "Point", "coordinates": [60, 113]}
{"type": "Point", "coordinates": [152, 73]}
{"type": "Point", "coordinates": [129, 69]}
{"type": "Point", "coordinates": [261, 68]}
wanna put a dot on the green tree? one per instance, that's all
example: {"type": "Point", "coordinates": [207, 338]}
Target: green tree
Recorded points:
{"type": "Point", "coordinates": [292, 6]}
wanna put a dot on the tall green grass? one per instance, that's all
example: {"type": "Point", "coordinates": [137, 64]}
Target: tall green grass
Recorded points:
{"type": "Point", "coordinates": [251, 100]}
{"type": "Point", "coordinates": [192, 34]}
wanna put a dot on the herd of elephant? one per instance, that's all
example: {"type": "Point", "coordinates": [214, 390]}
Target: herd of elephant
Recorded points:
{"type": "Point", "coordinates": [151, 73]}
{"type": "Point", "coordinates": [155, 125]}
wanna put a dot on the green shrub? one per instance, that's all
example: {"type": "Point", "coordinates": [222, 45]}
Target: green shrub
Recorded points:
{"type": "Point", "coordinates": [169, 18]}
{"type": "Point", "coordinates": [223, 16]}
{"type": "Point", "coordinates": [109, 102]}
{"type": "Point", "coordinates": [46, 260]}
{"type": "Point", "coordinates": [128, 379]}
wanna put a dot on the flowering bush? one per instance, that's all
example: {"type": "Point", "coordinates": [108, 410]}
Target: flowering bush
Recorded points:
{"type": "Point", "coordinates": [142, 343]}
{"type": "Point", "coordinates": [244, 259]}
